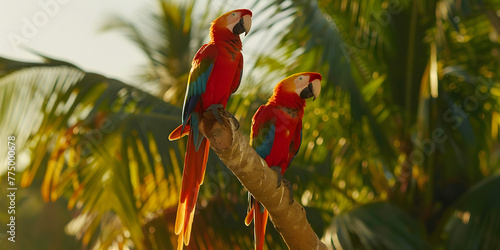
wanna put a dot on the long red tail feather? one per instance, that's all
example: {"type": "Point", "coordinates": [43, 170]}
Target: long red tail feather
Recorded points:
{"type": "Point", "coordinates": [178, 132]}
{"type": "Point", "coordinates": [192, 177]}
{"type": "Point", "coordinates": [260, 222]}
{"type": "Point", "coordinates": [249, 217]}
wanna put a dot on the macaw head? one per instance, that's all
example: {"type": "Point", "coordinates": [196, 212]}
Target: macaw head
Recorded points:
{"type": "Point", "coordinates": [231, 24]}
{"type": "Point", "coordinates": [296, 88]}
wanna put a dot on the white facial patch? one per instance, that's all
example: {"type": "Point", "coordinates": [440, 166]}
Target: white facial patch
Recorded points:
{"type": "Point", "coordinates": [232, 19]}
{"type": "Point", "coordinates": [300, 83]}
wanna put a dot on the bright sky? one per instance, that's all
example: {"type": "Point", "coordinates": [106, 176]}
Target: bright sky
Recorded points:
{"type": "Point", "coordinates": [69, 30]}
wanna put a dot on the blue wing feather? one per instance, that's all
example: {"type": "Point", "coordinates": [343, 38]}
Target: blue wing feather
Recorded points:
{"type": "Point", "coordinates": [264, 149]}
{"type": "Point", "coordinates": [203, 64]}
{"type": "Point", "coordinates": [195, 89]}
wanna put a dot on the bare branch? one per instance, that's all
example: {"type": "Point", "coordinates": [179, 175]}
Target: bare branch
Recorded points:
{"type": "Point", "coordinates": [289, 218]}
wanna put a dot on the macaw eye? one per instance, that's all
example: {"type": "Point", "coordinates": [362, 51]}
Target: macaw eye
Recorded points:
{"type": "Point", "coordinates": [301, 78]}
{"type": "Point", "coordinates": [233, 14]}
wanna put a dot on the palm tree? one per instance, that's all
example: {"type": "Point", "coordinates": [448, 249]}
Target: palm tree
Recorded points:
{"type": "Point", "coordinates": [400, 151]}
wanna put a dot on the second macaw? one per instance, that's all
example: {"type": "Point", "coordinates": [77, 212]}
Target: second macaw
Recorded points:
{"type": "Point", "coordinates": [215, 74]}
{"type": "Point", "coordinates": [277, 133]}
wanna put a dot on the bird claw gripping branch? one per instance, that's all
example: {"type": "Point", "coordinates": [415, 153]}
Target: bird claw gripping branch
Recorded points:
{"type": "Point", "coordinates": [218, 111]}
{"type": "Point", "coordinates": [287, 183]}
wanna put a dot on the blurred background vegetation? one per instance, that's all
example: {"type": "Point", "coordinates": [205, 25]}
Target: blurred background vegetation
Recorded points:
{"type": "Point", "coordinates": [401, 151]}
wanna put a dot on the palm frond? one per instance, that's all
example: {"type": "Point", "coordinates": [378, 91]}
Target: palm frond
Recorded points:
{"type": "Point", "coordinates": [88, 135]}
{"type": "Point", "coordinates": [475, 217]}
{"type": "Point", "coordinates": [378, 225]}
{"type": "Point", "coordinates": [169, 37]}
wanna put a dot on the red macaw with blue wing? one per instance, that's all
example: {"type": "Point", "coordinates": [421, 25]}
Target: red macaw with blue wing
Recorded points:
{"type": "Point", "coordinates": [215, 74]}
{"type": "Point", "coordinates": [277, 133]}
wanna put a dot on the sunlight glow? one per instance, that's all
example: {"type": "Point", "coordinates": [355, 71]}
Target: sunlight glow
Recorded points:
{"type": "Point", "coordinates": [342, 184]}
{"type": "Point", "coordinates": [342, 141]}
{"type": "Point", "coordinates": [306, 197]}
{"type": "Point", "coordinates": [434, 72]}
{"type": "Point", "coordinates": [466, 217]}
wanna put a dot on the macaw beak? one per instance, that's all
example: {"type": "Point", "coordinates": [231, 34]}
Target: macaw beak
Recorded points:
{"type": "Point", "coordinates": [312, 90]}
{"type": "Point", "coordinates": [243, 25]}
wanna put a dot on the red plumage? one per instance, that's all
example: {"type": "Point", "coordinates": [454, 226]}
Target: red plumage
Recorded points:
{"type": "Point", "coordinates": [277, 133]}
{"type": "Point", "coordinates": [215, 74]}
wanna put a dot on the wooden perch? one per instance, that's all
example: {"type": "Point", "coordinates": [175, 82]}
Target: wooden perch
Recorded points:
{"type": "Point", "coordinates": [288, 216]}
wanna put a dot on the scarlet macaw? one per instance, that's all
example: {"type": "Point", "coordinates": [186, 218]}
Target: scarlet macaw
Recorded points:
{"type": "Point", "coordinates": [277, 133]}
{"type": "Point", "coordinates": [215, 74]}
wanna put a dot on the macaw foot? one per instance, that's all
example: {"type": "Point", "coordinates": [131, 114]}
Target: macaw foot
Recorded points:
{"type": "Point", "coordinates": [235, 121]}
{"type": "Point", "coordinates": [280, 176]}
{"type": "Point", "coordinates": [217, 110]}
{"type": "Point", "coordinates": [287, 183]}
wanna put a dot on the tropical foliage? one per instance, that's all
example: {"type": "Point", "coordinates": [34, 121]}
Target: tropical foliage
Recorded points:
{"type": "Point", "coordinates": [401, 151]}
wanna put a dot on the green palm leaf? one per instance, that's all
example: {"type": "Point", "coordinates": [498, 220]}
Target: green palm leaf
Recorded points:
{"type": "Point", "coordinates": [475, 217]}
{"type": "Point", "coordinates": [89, 135]}
{"type": "Point", "coordinates": [169, 37]}
{"type": "Point", "coordinates": [374, 226]}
